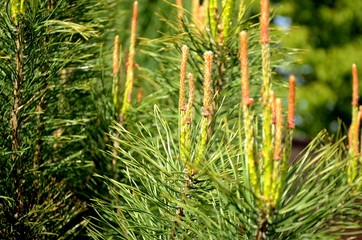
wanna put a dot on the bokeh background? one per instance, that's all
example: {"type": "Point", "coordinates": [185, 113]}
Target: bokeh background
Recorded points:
{"type": "Point", "coordinates": [328, 36]}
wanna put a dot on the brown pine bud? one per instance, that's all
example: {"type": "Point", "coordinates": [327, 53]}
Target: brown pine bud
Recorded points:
{"type": "Point", "coordinates": [278, 129]}
{"type": "Point", "coordinates": [116, 55]}
{"type": "Point", "coordinates": [264, 21]}
{"type": "Point", "coordinates": [208, 57]}
{"type": "Point", "coordinates": [244, 69]}
{"type": "Point", "coordinates": [183, 67]}
{"type": "Point", "coordinates": [354, 85]}
{"type": "Point", "coordinates": [291, 102]}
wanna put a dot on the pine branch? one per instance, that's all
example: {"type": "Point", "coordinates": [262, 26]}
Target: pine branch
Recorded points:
{"type": "Point", "coordinates": [16, 115]}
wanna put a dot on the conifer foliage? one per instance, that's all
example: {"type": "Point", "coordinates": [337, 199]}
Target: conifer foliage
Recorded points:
{"type": "Point", "coordinates": [219, 165]}
{"type": "Point", "coordinates": [47, 61]}
{"type": "Point", "coordinates": [203, 152]}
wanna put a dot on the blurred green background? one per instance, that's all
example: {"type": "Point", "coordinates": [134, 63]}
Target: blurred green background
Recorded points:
{"type": "Point", "coordinates": [328, 35]}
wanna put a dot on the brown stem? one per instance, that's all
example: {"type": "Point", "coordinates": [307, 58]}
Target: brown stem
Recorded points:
{"type": "Point", "coordinates": [261, 234]}
{"type": "Point", "coordinates": [15, 121]}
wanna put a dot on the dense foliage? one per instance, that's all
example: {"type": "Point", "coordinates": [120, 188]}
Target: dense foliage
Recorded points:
{"type": "Point", "coordinates": [111, 129]}
{"type": "Point", "coordinates": [48, 65]}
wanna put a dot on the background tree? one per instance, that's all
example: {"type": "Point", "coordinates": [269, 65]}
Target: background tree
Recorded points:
{"type": "Point", "coordinates": [328, 34]}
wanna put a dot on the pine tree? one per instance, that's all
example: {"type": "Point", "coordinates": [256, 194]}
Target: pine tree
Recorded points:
{"type": "Point", "coordinates": [214, 165]}
{"type": "Point", "coordinates": [108, 135]}
{"type": "Point", "coordinates": [48, 51]}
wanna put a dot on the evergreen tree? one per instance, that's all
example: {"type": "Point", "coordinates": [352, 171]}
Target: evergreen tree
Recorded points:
{"type": "Point", "coordinates": [220, 167]}
{"type": "Point", "coordinates": [48, 61]}
{"type": "Point", "coordinates": [107, 135]}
